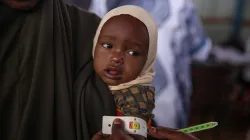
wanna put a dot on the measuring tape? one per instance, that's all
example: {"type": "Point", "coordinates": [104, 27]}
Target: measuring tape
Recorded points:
{"type": "Point", "coordinates": [134, 125]}
{"type": "Point", "coordinates": [199, 127]}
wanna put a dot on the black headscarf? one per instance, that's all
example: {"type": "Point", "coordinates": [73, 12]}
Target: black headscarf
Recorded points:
{"type": "Point", "coordinates": [48, 88]}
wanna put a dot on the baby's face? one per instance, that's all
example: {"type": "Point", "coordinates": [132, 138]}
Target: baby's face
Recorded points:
{"type": "Point", "coordinates": [121, 50]}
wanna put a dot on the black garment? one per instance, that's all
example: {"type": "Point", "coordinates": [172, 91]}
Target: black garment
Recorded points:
{"type": "Point", "coordinates": [85, 4]}
{"type": "Point", "coordinates": [48, 88]}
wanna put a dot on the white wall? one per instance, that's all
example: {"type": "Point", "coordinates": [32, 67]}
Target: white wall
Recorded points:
{"type": "Point", "coordinates": [221, 9]}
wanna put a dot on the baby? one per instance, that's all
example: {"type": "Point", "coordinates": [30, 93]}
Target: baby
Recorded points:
{"type": "Point", "coordinates": [124, 52]}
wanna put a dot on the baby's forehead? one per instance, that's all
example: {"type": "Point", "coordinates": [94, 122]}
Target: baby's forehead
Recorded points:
{"type": "Point", "coordinates": [125, 27]}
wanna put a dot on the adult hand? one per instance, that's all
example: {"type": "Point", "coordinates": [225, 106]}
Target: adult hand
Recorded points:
{"type": "Point", "coordinates": [117, 132]}
{"type": "Point", "coordinates": [170, 134]}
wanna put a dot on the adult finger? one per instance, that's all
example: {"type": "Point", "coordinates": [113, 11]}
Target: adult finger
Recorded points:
{"type": "Point", "coordinates": [117, 127]}
{"type": "Point", "coordinates": [118, 131]}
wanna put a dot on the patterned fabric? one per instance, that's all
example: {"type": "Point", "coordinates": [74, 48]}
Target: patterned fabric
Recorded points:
{"type": "Point", "coordinates": [136, 100]}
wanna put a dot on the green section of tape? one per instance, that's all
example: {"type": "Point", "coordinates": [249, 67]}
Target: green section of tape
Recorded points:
{"type": "Point", "coordinates": [199, 127]}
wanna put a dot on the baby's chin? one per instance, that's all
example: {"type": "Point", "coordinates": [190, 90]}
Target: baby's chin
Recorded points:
{"type": "Point", "coordinates": [111, 82]}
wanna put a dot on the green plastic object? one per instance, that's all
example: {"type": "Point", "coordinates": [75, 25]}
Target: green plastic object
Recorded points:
{"type": "Point", "coordinates": [200, 127]}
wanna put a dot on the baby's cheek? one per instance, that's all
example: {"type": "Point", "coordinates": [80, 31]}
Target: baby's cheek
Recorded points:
{"type": "Point", "coordinates": [131, 75]}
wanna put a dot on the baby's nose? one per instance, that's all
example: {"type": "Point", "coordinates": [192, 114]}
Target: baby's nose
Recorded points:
{"type": "Point", "coordinates": [117, 58]}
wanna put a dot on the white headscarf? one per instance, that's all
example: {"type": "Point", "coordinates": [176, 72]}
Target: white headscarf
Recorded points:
{"type": "Point", "coordinates": [147, 73]}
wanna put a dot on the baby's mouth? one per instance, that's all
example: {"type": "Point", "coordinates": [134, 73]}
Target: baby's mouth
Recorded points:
{"type": "Point", "coordinates": [113, 73]}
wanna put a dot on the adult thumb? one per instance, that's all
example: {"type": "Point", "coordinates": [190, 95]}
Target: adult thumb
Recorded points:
{"type": "Point", "coordinates": [117, 127]}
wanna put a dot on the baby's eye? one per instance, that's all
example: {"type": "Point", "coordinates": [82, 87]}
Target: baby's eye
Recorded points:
{"type": "Point", "coordinates": [108, 46]}
{"type": "Point", "coordinates": [133, 53]}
